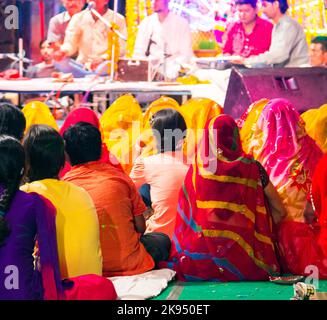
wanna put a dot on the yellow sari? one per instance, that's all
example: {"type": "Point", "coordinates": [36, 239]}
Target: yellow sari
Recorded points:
{"type": "Point", "coordinates": [248, 124]}
{"type": "Point", "coordinates": [77, 226]}
{"type": "Point", "coordinates": [37, 112]}
{"type": "Point", "coordinates": [316, 125]}
{"type": "Point", "coordinates": [197, 111]}
{"type": "Point", "coordinates": [122, 125]}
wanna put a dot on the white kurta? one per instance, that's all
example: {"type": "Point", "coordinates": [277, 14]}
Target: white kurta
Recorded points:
{"type": "Point", "coordinates": [89, 37]}
{"type": "Point", "coordinates": [172, 37]}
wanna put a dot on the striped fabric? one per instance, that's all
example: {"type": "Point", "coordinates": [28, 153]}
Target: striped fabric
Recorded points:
{"type": "Point", "coordinates": [223, 229]}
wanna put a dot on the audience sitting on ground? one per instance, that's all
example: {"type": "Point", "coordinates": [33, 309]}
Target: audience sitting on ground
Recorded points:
{"type": "Point", "coordinates": [316, 125]}
{"type": "Point", "coordinates": [225, 212]}
{"type": "Point", "coordinates": [290, 156]}
{"type": "Point", "coordinates": [37, 112]}
{"type": "Point", "coordinates": [281, 144]}
{"type": "Point", "coordinates": [76, 221]}
{"type": "Point", "coordinates": [12, 121]}
{"type": "Point", "coordinates": [87, 115]}
{"type": "Point", "coordinates": [126, 249]}
{"type": "Point", "coordinates": [163, 172]}
{"type": "Point", "coordinates": [242, 213]}
{"type": "Point", "coordinates": [23, 219]}
{"type": "Point", "coordinates": [304, 244]}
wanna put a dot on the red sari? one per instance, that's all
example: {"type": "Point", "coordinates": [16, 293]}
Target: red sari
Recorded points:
{"type": "Point", "coordinates": [302, 244]}
{"type": "Point", "coordinates": [223, 228]}
{"type": "Point", "coordinates": [319, 198]}
{"type": "Point", "coordinates": [86, 115]}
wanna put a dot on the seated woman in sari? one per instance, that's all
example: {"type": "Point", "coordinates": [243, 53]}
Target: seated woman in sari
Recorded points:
{"type": "Point", "coordinates": [304, 244]}
{"type": "Point", "coordinates": [223, 228]}
{"type": "Point", "coordinates": [121, 125]}
{"type": "Point", "coordinates": [77, 223]}
{"type": "Point", "coordinates": [37, 112]}
{"type": "Point", "coordinates": [280, 142]}
{"type": "Point", "coordinates": [316, 125]}
{"type": "Point", "coordinates": [319, 201]}
{"type": "Point", "coordinates": [23, 217]}
{"type": "Point", "coordinates": [87, 115]}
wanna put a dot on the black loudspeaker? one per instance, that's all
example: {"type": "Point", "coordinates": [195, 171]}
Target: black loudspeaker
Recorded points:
{"type": "Point", "coordinates": [306, 88]}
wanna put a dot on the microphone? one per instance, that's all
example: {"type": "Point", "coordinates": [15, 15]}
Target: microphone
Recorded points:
{"type": "Point", "coordinates": [91, 6]}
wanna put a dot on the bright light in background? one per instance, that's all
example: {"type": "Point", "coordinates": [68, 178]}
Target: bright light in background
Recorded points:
{"type": "Point", "coordinates": [201, 13]}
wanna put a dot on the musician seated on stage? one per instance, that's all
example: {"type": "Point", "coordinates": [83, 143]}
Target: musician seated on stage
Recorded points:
{"type": "Point", "coordinates": [87, 36]}
{"type": "Point", "coordinates": [288, 47]}
{"type": "Point", "coordinates": [318, 52]}
{"type": "Point", "coordinates": [164, 34]}
{"type": "Point", "coordinates": [45, 68]}
{"type": "Point", "coordinates": [249, 36]}
{"type": "Point", "coordinates": [59, 23]}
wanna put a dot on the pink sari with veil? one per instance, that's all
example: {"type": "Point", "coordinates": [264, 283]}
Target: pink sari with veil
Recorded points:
{"type": "Point", "coordinates": [280, 142]}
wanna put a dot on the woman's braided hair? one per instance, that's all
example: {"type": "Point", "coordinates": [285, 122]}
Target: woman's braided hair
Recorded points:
{"type": "Point", "coordinates": [12, 162]}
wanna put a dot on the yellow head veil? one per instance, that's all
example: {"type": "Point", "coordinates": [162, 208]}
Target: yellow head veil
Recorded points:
{"type": "Point", "coordinates": [37, 112]}
{"type": "Point", "coordinates": [122, 125]}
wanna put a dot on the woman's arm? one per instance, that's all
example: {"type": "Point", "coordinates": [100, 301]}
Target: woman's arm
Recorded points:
{"type": "Point", "coordinates": [278, 210]}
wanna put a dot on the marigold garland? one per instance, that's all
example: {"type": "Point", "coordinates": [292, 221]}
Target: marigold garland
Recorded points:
{"type": "Point", "coordinates": [113, 39]}
{"type": "Point", "coordinates": [136, 11]}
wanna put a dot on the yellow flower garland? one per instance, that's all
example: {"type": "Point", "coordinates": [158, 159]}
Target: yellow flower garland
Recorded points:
{"type": "Point", "coordinates": [136, 11]}
{"type": "Point", "coordinates": [113, 39]}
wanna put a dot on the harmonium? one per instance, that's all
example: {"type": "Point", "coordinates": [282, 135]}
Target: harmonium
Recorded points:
{"type": "Point", "coordinates": [137, 69]}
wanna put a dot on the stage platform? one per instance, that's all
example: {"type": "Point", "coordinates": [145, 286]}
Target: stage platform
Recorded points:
{"type": "Point", "coordinates": [46, 85]}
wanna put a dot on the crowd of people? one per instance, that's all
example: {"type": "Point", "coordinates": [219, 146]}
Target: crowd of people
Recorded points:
{"type": "Point", "coordinates": [246, 202]}
{"type": "Point", "coordinates": [184, 187]}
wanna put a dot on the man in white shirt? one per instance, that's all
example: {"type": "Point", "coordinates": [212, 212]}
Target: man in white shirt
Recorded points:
{"type": "Point", "coordinates": [59, 23]}
{"type": "Point", "coordinates": [164, 34]}
{"type": "Point", "coordinates": [87, 35]}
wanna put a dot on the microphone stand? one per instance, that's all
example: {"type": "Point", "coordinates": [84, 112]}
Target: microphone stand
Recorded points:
{"type": "Point", "coordinates": [112, 63]}
{"type": "Point", "coordinates": [119, 34]}
{"type": "Point", "coordinates": [17, 58]}
{"type": "Point", "coordinates": [165, 62]}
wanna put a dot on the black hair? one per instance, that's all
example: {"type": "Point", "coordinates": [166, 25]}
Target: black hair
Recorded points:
{"type": "Point", "coordinates": [83, 143]}
{"type": "Point", "coordinates": [322, 40]}
{"type": "Point", "coordinates": [169, 128]}
{"type": "Point", "coordinates": [283, 5]}
{"type": "Point", "coordinates": [41, 42]}
{"type": "Point", "coordinates": [253, 3]}
{"type": "Point", "coordinates": [45, 152]}
{"type": "Point", "coordinates": [11, 171]}
{"type": "Point", "coordinates": [12, 121]}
